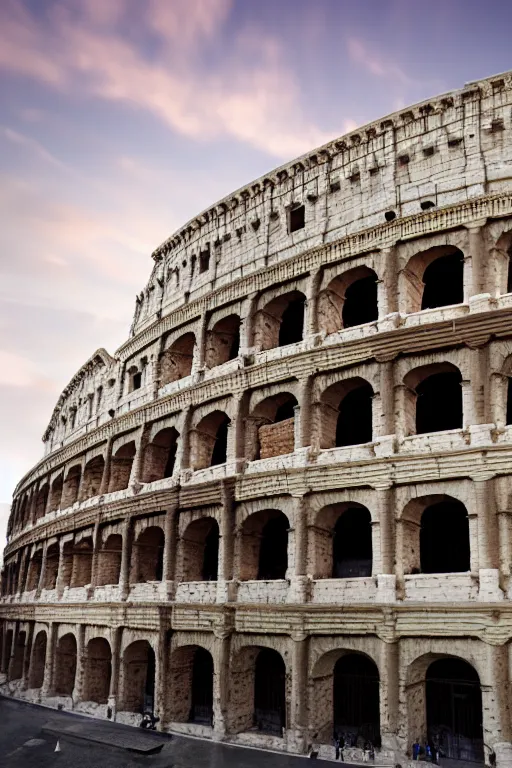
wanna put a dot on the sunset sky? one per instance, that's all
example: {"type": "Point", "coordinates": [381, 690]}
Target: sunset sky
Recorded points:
{"type": "Point", "coordinates": [121, 119]}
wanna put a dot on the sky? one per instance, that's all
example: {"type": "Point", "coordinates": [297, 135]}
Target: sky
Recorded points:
{"type": "Point", "coordinates": [122, 119]}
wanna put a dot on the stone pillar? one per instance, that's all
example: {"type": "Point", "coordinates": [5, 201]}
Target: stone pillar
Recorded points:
{"type": "Point", "coordinates": [136, 472]}
{"type": "Point", "coordinates": [114, 677]}
{"type": "Point", "coordinates": [297, 728]}
{"type": "Point", "coordinates": [4, 661]}
{"type": "Point", "coordinates": [386, 577]}
{"type": "Point", "coordinates": [25, 669]}
{"type": "Point", "coordinates": [488, 545]}
{"type": "Point", "coordinates": [498, 386]}
{"type": "Point", "coordinates": [184, 458]}
{"type": "Point", "coordinates": [10, 652]}
{"type": "Point", "coordinates": [105, 478]}
{"type": "Point", "coordinates": [96, 547]}
{"type": "Point", "coordinates": [478, 258]}
{"type": "Point", "coordinates": [225, 583]}
{"type": "Point", "coordinates": [221, 685]}
{"type": "Point", "coordinates": [126, 551]}
{"type": "Point", "coordinates": [480, 386]}
{"type": "Point", "coordinates": [78, 688]}
{"type": "Point", "coordinates": [305, 420]}
{"type": "Point", "coordinates": [246, 325]}
{"type": "Point", "coordinates": [20, 587]}
{"type": "Point", "coordinates": [297, 592]}
{"type": "Point", "coordinates": [59, 584]}
{"type": "Point", "coordinates": [387, 396]}
{"type": "Point", "coordinates": [50, 660]}
{"type": "Point", "coordinates": [389, 654]}
{"type": "Point", "coordinates": [42, 575]}
{"type": "Point", "coordinates": [311, 313]}
{"type": "Point", "coordinates": [495, 704]}
{"type": "Point", "coordinates": [387, 286]}
{"type": "Point", "coordinates": [161, 677]}
{"type": "Point", "coordinates": [200, 347]}
{"type": "Point", "coordinates": [170, 547]}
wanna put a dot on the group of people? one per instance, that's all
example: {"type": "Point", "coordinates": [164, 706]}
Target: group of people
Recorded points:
{"type": "Point", "coordinates": [428, 752]}
{"type": "Point", "coordinates": [339, 745]}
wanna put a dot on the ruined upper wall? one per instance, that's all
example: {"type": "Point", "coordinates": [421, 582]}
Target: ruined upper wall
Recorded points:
{"type": "Point", "coordinates": [436, 153]}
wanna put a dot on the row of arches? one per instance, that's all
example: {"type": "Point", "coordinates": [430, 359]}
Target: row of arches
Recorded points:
{"type": "Point", "coordinates": [436, 539]}
{"type": "Point", "coordinates": [342, 416]}
{"type": "Point", "coordinates": [344, 690]}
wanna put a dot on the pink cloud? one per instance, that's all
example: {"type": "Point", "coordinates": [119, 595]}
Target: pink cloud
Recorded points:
{"type": "Point", "coordinates": [375, 64]}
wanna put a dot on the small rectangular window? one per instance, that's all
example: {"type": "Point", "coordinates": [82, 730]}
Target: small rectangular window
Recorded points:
{"type": "Point", "coordinates": [204, 261]}
{"type": "Point", "coordinates": [297, 218]}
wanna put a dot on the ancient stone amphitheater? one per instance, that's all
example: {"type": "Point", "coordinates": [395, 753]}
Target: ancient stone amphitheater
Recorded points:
{"type": "Point", "coordinates": [283, 509]}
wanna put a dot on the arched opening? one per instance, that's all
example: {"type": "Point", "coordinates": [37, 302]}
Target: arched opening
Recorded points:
{"type": "Point", "coordinates": [444, 538]}
{"type": "Point", "coordinates": [264, 546]}
{"type": "Point", "coordinates": [109, 560]}
{"type": "Point", "coordinates": [121, 467]}
{"type": "Point", "coordinates": [281, 321]}
{"type": "Point", "coordinates": [191, 673]}
{"type": "Point", "coordinates": [454, 709]}
{"type": "Point", "coordinates": [210, 441]}
{"type": "Point", "coordinates": [439, 403]}
{"type": "Point", "coordinates": [354, 423]}
{"type": "Point", "coordinates": [98, 670]}
{"type": "Point", "coordinates": [82, 563]}
{"type": "Point", "coordinates": [223, 341]}
{"type": "Point", "coordinates": [36, 675]}
{"type": "Point", "coordinates": [41, 501]}
{"type": "Point", "coordinates": [350, 299]}
{"type": "Point", "coordinates": [271, 430]}
{"type": "Point", "coordinates": [56, 493]}
{"type": "Point", "coordinates": [65, 665]}
{"type": "Point", "coordinates": [34, 571]}
{"type": "Point", "coordinates": [201, 708]}
{"type": "Point", "coordinates": [52, 567]}
{"type": "Point", "coordinates": [176, 361]}
{"type": "Point", "coordinates": [200, 543]}
{"type": "Point", "coordinates": [356, 712]}
{"type": "Point", "coordinates": [444, 281]}
{"type": "Point", "coordinates": [352, 544]}
{"type": "Point", "coordinates": [160, 455]}
{"type": "Point", "coordinates": [71, 486]}
{"type": "Point", "coordinates": [138, 688]}
{"type": "Point", "coordinates": [270, 692]}
{"type": "Point", "coordinates": [149, 556]}
{"type": "Point", "coordinates": [93, 474]}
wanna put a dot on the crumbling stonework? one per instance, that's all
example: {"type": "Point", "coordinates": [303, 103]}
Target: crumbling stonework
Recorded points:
{"type": "Point", "coordinates": [283, 509]}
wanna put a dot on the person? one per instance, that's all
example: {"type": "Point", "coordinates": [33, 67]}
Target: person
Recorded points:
{"type": "Point", "coordinates": [149, 721]}
{"type": "Point", "coordinates": [428, 753]}
{"type": "Point", "coordinates": [339, 743]}
{"type": "Point", "coordinates": [416, 750]}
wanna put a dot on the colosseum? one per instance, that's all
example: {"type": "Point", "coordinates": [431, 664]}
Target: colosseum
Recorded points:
{"type": "Point", "coordinates": [282, 511]}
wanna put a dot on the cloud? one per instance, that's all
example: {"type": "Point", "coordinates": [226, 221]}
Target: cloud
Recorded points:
{"type": "Point", "coordinates": [251, 95]}
{"type": "Point", "coordinates": [19, 371]}
{"type": "Point", "coordinates": [26, 142]}
{"type": "Point", "coordinates": [359, 52]}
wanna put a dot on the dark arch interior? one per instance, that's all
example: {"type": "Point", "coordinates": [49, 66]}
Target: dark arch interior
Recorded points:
{"type": "Point", "coordinates": [292, 322]}
{"type": "Point", "coordinates": [211, 554]}
{"type": "Point", "coordinates": [354, 425]}
{"type": "Point", "coordinates": [439, 403]}
{"type": "Point", "coordinates": [201, 709]}
{"type": "Point", "coordinates": [285, 411]}
{"type": "Point", "coordinates": [171, 460]}
{"type": "Point", "coordinates": [444, 281]}
{"type": "Point", "coordinates": [220, 448]}
{"type": "Point", "coordinates": [454, 709]}
{"type": "Point", "coordinates": [149, 684]}
{"type": "Point", "coordinates": [273, 560]}
{"type": "Point", "coordinates": [444, 538]}
{"type": "Point", "coordinates": [269, 692]}
{"type": "Point", "coordinates": [360, 305]}
{"type": "Point", "coordinates": [352, 544]}
{"type": "Point", "coordinates": [356, 713]}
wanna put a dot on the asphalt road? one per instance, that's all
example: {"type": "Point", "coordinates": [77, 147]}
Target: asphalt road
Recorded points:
{"type": "Point", "coordinates": [24, 744]}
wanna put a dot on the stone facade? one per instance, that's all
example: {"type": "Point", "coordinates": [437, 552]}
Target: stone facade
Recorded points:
{"type": "Point", "coordinates": [283, 509]}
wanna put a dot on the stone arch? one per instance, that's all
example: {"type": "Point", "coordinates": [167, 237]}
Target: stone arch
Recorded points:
{"type": "Point", "coordinates": [271, 427]}
{"type": "Point", "coordinates": [444, 705]}
{"type": "Point", "coordinates": [56, 492]}
{"type": "Point", "coordinates": [71, 486]}
{"type": "Point", "coordinates": [138, 678]}
{"type": "Point", "coordinates": [258, 691]}
{"type": "Point", "coordinates": [433, 398]}
{"type": "Point", "coordinates": [223, 341]}
{"type": "Point", "coordinates": [264, 546]}
{"type": "Point", "coordinates": [349, 299]}
{"type": "Point", "coordinates": [342, 541]}
{"type": "Point", "coordinates": [109, 560]}
{"type": "Point", "coordinates": [65, 665]}
{"type": "Point", "coordinates": [38, 659]}
{"type": "Point", "coordinates": [434, 534]}
{"type": "Point", "coordinates": [434, 278]}
{"type": "Point", "coordinates": [148, 559]}
{"type": "Point", "coordinates": [121, 467]}
{"type": "Point", "coordinates": [281, 321]}
{"type": "Point", "coordinates": [41, 501]}
{"type": "Point", "coordinates": [52, 566]}
{"type": "Point", "coordinates": [92, 477]}
{"type": "Point", "coordinates": [98, 670]}
{"type": "Point", "coordinates": [191, 673]}
{"type": "Point", "coordinates": [345, 697]}
{"type": "Point", "coordinates": [345, 413]}
{"type": "Point", "coordinates": [209, 441]}
{"type": "Point", "coordinates": [82, 563]}
{"type": "Point", "coordinates": [176, 360]}
{"type": "Point", "coordinates": [200, 550]}
{"type": "Point", "coordinates": [160, 455]}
